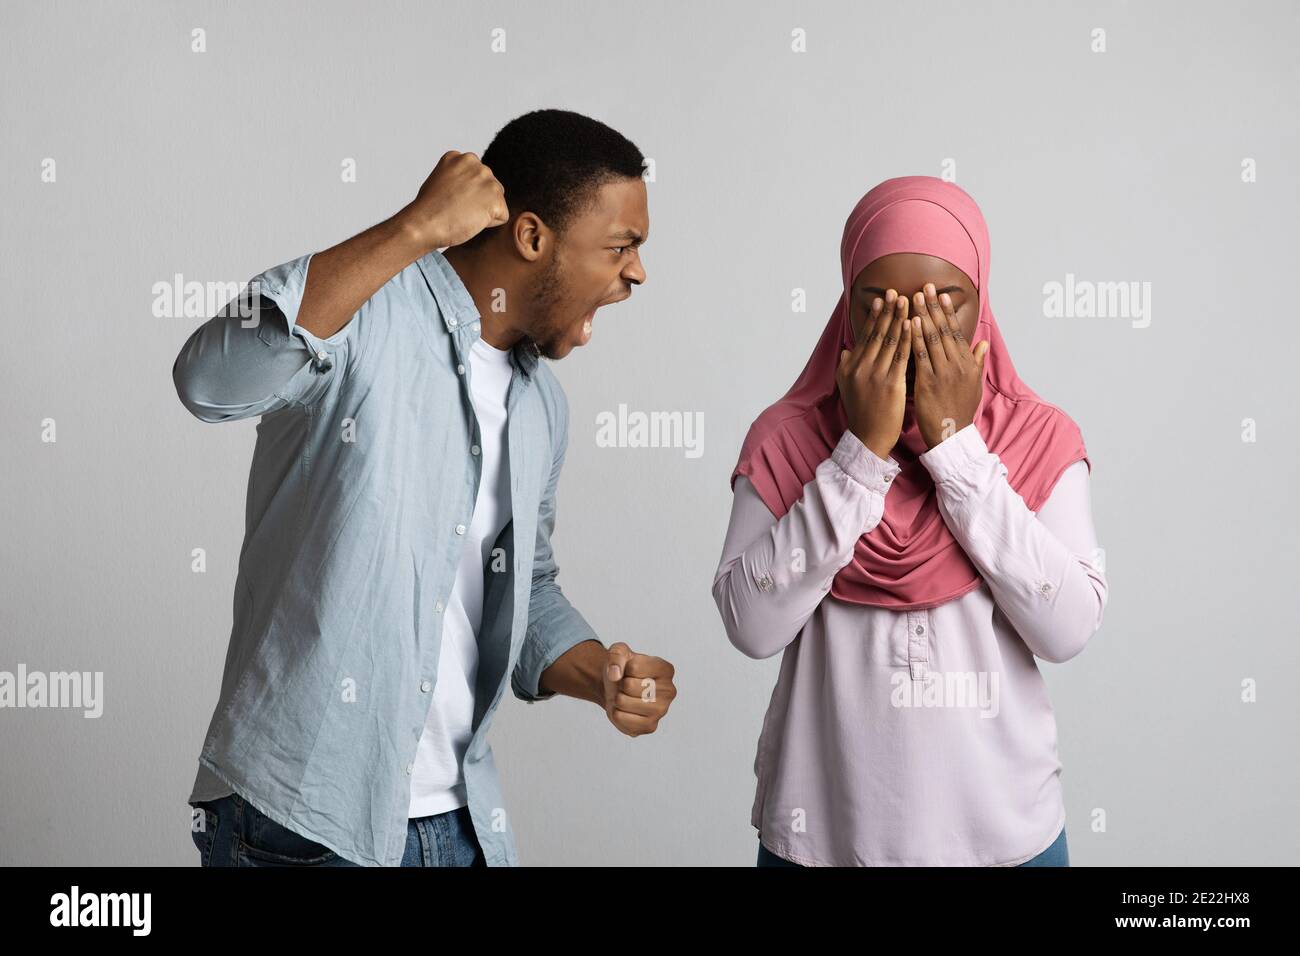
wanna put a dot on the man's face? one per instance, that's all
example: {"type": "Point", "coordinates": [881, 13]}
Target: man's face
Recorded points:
{"type": "Point", "coordinates": [595, 262]}
{"type": "Point", "coordinates": [907, 273]}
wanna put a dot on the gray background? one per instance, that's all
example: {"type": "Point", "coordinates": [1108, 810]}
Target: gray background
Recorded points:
{"type": "Point", "coordinates": [1118, 166]}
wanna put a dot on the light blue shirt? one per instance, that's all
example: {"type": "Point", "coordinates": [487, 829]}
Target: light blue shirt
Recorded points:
{"type": "Point", "coordinates": [362, 485]}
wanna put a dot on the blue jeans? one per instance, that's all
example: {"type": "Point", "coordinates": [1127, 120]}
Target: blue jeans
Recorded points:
{"type": "Point", "coordinates": [1058, 854]}
{"type": "Point", "coordinates": [236, 833]}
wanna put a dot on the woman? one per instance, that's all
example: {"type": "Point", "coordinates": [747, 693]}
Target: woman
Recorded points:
{"type": "Point", "coordinates": [911, 525]}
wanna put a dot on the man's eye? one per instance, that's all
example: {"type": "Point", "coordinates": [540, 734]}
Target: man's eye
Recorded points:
{"type": "Point", "coordinates": [619, 249]}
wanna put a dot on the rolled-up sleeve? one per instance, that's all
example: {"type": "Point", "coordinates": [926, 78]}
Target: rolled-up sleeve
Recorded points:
{"type": "Point", "coordinates": [252, 358]}
{"type": "Point", "coordinates": [554, 625]}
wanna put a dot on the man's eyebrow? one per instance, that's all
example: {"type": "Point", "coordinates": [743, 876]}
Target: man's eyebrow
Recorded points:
{"type": "Point", "coordinates": [631, 234]}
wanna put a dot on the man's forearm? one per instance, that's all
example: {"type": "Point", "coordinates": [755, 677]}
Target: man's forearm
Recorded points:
{"type": "Point", "coordinates": [578, 672]}
{"type": "Point", "coordinates": [341, 278]}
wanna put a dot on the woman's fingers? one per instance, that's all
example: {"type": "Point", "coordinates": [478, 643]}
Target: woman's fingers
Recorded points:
{"type": "Point", "coordinates": [872, 319]}
{"type": "Point", "coordinates": [876, 334]}
{"type": "Point", "coordinates": [936, 342]}
{"type": "Point", "coordinates": [849, 357]}
{"type": "Point", "coordinates": [874, 330]}
{"type": "Point", "coordinates": [890, 337]}
{"type": "Point", "coordinates": [902, 352]}
{"type": "Point", "coordinates": [920, 351]}
{"type": "Point", "coordinates": [890, 334]}
{"type": "Point", "coordinates": [948, 315]}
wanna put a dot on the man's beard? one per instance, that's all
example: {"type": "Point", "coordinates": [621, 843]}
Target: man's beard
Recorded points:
{"type": "Point", "coordinates": [542, 298]}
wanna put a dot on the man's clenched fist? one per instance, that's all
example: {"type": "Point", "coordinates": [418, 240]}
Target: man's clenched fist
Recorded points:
{"type": "Point", "coordinates": [459, 200]}
{"type": "Point", "coordinates": [638, 690]}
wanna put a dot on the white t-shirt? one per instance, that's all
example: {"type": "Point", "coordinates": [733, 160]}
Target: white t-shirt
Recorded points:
{"type": "Point", "coordinates": [437, 783]}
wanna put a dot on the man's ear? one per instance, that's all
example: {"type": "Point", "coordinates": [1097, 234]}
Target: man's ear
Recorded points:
{"type": "Point", "coordinates": [532, 237]}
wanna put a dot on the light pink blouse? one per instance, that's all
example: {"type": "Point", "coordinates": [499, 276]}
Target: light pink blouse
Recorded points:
{"type": "Point", "coordinates": [911, 738]}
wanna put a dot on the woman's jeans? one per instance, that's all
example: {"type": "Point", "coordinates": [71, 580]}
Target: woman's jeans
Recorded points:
{"type": "Point", "coordinates": [235, 833]}
{"type": "Point", "coordinates": [1058, 854]}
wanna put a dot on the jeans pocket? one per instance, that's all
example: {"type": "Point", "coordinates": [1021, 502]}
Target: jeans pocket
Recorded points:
{"type": "Point", "coordinates": [264, 842]}
{"type": "Point", "coordinates": [203, 829]}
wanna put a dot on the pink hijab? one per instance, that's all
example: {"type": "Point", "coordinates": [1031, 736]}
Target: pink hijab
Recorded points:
{"type": "Point", "coordinates": [910, 560]}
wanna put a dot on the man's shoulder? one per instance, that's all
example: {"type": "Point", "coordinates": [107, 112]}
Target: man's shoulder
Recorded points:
{"type": "Point", "coordinates": [423, 282]}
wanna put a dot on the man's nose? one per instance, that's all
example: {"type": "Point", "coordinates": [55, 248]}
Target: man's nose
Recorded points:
{"type": "Point", "coordinates": [635, 271]}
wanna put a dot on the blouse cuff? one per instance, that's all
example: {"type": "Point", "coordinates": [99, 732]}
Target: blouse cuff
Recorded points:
{"type": "Point", "coordinates": [863, 465]}
{"type": "Point", "coordinates": [954, 455]}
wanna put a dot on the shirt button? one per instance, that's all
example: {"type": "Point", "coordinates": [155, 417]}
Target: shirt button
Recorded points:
{"type": "Point", "coordinates": [920, 628]}
{"type": "Point", "coordinates": [460, 529]}
{"type": "Point", "coordinates": [438, 607]}
{"type": "Point", "coordinates": [425, 685]}
{"type": "Point", "coordinates": [474, 449]}
{"type": "Point", "coordinates": [460, 370]}
{"type": "Point", "coordinates": [887, 477]}
{"type": "Point", "coordinates": [410, 769]}
{"type": "Point", "coordinates": [451, 323]}
{"type": "Point", "coordinates": [321, 355]}
{"type": "Point", "coordinates": [1045, 588]}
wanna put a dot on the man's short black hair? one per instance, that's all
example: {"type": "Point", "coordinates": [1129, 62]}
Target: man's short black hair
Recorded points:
{"type": "Point", "coordinates": [550, 162]}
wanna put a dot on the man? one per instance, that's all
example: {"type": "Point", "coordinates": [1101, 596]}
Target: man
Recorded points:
{"type": "Point", "coordinates": [397, 570]}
